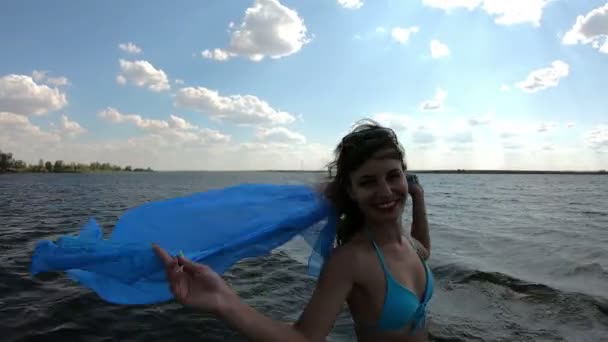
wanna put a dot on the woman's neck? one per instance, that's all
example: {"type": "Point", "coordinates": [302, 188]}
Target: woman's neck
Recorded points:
{"type": "Point", "coordinates": [384, 232]}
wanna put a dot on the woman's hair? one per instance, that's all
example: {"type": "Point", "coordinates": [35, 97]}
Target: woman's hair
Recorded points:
{"type": "Point", "coordinates": [366, 138]}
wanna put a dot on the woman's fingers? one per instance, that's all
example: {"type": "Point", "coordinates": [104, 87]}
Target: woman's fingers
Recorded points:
{"type": "Point", "coordinates": [162, 254]}
{"type": "Point", "coordinates": [192, 267]}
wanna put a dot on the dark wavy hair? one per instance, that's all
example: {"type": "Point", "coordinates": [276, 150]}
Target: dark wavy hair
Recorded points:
{"type": "Point", "coordinates": [365, 139]}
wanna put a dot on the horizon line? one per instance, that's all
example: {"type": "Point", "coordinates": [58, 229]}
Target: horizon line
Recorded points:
{"type": "Point", "coordinates": [600, 171]}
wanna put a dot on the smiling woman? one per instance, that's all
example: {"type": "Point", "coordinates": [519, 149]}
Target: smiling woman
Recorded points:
{"type": "Point", "coordinates": [379, 274]}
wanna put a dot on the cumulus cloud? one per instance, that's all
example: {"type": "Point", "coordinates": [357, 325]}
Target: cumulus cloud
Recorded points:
{"type": "Point", "coordinates": [351, 4]}
{"type": "Point", "coordinates": [545, 77]}
{"type": "Point", "coordinates": [597, 138]}
{"type": "Point", "coordinates": [504, 12]}
{"type": "Point", "coordinates": [402, 34]}
{"type": "Point", "coordinates": [397, 122]}
{"type": "Point", "coordinates": [591, 28]}
{"type": "Point", "coordinates": [240, 109]}
{"type": "Point", "coordinates": [157, 150]}
{"type": "Point", "coordinates": [423, 135]}
{"type": "Point", "coordinates": [142, 74]}
{"type": "Point", "coordinates": [437, 102]}
{"type": "Point", "coordinates": [25, 139]}
{"type": "Point", "coordinates": [42, 77]}
{"type": "Point", "coordinates": [513, 145]}
{"type": "Point", "coordinates": [175, 129]}
{"type": "Point", "coordinates": [460, 137]}
{"type": "Point", "coordinates": [217, 54]}
{"type": "Point", "coordinates": [448, 5]}
{"type": "Point", "coordinates": [268, 29]}
{"type": "Point", "coordinates": [22, 95]}
{"type": "Point", "coordinates": [546, 127]}
{"type": "Point", "coordinates": [70, 128]}
{"type": "Point", "coordinates": [279, 134]}
{"type": "Point", "coordinates": [481, 120]}
{"type": "Point", "coordinates": [130, 48]}
{"type": "Point", "coordinates": [15, 127]}
{"type": "Point", "coordinates": [439, 49]}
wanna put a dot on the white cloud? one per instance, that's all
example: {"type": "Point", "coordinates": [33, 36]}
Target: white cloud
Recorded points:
{"type": "Point", "coordinates": [547, 127]}
{"type": "Point", "coordinates": [504, 12]}
{"type": "Point", "coordinates": [570, 125]}
{"type": "Point", "coordinates": [142, 74]}
{"type": "Point", "coordinates": [448, 5]}
{"type": "Point", "coordinates": [513, 145]}
{"type": "Point", "coordinates": [481, 120]}
{"type": "Point", "coordinates": [423, 135]}
{"type": "Point", "coordinates": [545, 77]}
{"type": "Point", "coordinates": [217, 54]}
{"type": "Point", "coordinates": [591, 28]}
{"type": "Point", "coordinates": [439, 49]}
{"type": "Point", "coordinates": [70, 128]}
{"type": "Point", "coordinates": [460, 137]}
{"type": "Point", "coordinates": [175, 130]}
{"type": "Point", "coordinates": [516, 11]}
{"type": "Point", "coordinates": [380, 29]}
{"type": "Point", "coordinates": [402, 34]}
{"type": "Point", "coordinates": [42, 77]}
{"type": "Point", "coordinates": [240, 109]}
{"type": "Point", "coordinates": [114, 116]}
{"type": "Point", "coordinates": [351, 4]}
{"type": "Point", "coordinates": [505, 88]}
{"type": "Point", "coordinates": [437, 102]}
{"type": "Point", "coordinates": [22, 95]}
{"type": "Point", "coordinates": [268, 29]}
{"type": "Point", "coordinates": [597, 138]}
{"type": "Point", "coordinates": [397, 122]}
{"type": "Point", "coordinates": [130, 48]}
{"type": "Point", "coordinates": [279, 134]}
{"type": "Point", "coordinates": [507, 129]}
{"type": "Point", "coordinates": [24, 139]}
{"type": "Point", "coordinates": [15, 127]}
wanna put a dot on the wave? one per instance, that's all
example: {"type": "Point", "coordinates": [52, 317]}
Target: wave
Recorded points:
{"type": "Point", "coordinates": [459, 274]}
{"type": "Point", "coordinates": [592, 269]}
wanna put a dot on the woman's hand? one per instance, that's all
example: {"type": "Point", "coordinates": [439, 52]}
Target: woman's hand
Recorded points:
{"type": "Point", "coordinates": [415, 189]}
{"type": "Point", "coordinates": [195, 285]}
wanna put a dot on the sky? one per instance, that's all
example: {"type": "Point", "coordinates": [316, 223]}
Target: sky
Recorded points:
{"type": "Point", "coordinates": [275, 84]}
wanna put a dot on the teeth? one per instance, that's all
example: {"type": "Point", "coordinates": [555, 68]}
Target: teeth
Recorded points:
{"type": "Point", "coordinates": [387, 205]}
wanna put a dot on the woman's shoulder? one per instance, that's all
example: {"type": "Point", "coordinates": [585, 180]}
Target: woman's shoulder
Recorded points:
{"type": "Point", "coordinates": [353, 254]}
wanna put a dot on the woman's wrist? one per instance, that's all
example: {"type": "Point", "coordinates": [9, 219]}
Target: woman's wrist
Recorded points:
{"type": "Point", "coordinates": [228, 304]}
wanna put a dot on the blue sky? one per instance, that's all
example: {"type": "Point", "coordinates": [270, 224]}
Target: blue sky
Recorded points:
{"type": "Point", "coordinates": [473, 84]}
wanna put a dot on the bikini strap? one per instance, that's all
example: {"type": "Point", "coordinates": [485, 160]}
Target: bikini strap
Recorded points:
{"type": "Point", "coordinates": [378, 251]}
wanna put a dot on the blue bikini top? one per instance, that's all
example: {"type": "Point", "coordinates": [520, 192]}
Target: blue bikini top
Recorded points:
{"type": "Point", "coordinates": [401, 305]}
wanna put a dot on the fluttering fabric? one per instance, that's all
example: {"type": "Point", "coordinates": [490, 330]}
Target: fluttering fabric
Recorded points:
{"type": "Point", "coordinates": [218, 228]}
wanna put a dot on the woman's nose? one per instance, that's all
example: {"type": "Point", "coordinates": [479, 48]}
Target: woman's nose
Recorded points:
{"type": "Point", "coordinates": [384, 189]}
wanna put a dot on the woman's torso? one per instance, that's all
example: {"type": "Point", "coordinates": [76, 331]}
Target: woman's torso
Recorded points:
{"type": "Point", "coordinates": [367, 298]}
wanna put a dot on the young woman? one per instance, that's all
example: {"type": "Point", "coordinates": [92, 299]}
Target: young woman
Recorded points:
{"type": "Point", "coordinates": [381, 274]}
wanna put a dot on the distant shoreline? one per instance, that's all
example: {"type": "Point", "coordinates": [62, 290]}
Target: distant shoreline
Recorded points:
{"type": "Point", "coordinates": [482, 172]}
{"type": "Point", "coordinates": [446, 172]}
{"type": "Point", "coordinates": [523, 172]}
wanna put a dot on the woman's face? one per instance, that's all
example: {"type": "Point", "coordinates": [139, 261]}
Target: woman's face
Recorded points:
{"type": "Point", "coordinates": [379, 187]}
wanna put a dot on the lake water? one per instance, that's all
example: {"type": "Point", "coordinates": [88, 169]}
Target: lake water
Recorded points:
{"type": "Point", "coordinates": [516, 258]}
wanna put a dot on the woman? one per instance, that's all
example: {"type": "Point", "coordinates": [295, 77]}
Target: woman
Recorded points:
{"type": "Point", "coordinates": [382, 276]}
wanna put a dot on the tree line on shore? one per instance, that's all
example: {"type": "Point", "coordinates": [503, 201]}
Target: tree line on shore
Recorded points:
{"type": "Point", "coordinates": [9, 164]}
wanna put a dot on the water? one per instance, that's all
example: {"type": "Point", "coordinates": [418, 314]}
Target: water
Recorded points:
{"type": "Point", "coordinates": [516, 258]}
